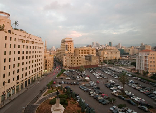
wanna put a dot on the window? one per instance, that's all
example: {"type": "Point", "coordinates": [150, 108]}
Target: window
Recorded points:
{"type": "Point", "coordinates": [9, 52]}
{"type": "Point", "coordinates": [18, 58]}
{"type": "Point", "coordinates": [9, 66]}
{"type": "Point", "coordinates": [18, 46]}
{"type": "Point", "coordinates": [14, 45]}
{"type": "Point", "coordinates": [9, 81]}
{"type": "Point", "coordinates": [5, 37]}
{"type": "Point", "coordinates": [4, 67]}
{"type": "Point", "coordinates": [18, 52]}
{"type": "Point", "coordinates": [18, 77]}
{"type": "Point", "coordinates": [13, 65]}
{"type": "Point", "coordinates": [4, 60]}
{"type": "Point", "coordinates": [9, 74]}
{"type": "Point", "coordinates": [17, 70]}
{"type": "Point", "coordinates": [5, 45]}
{"type": "Point", "coordinates": [18, 64]}
{"type": "Point", "coordinates": [14, 52]}
{"type": "Point", "coordinates": [14, 59]}
{"type": "Point", "coordinates": [22, 52]}
{"type": "Point", "coordinates": [4, 52]}
{"type": "Point", "coordinates": [10, 45]}
{"type": "Point", "coordinates": [9, 59]}
{"type": "Point", "coordinates": [3, 75]}
{"type": "Point", "coordinates": [10, 38]}
{"type": "Point", "coordinates": [14, 39]}
{"type": "Point", "coordinates": [3, 83]}
{"type": "Point", "coordinates": [13, 72]}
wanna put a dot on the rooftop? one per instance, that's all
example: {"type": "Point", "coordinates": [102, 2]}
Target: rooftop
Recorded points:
{"type": "Point", "coordinates": [147, 50]}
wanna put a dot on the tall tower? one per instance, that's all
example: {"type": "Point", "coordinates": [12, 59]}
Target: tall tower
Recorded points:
{"type": "Point", "coordinates": [110, 44]}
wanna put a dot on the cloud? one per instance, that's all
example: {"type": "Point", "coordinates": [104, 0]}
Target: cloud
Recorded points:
{"type": "Point", "coordinates": [119, 21]}
{"type": "Point", "coordinates": [74, 34]}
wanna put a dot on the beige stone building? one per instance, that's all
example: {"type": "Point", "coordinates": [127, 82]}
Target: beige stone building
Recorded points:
{"type": "Point", "coordinates": [131, 50]}
{"type": "Point", "coordinates": [108, 54]}
{"type": "Point", "coordinates": [145, 46]}
{"type": "Point", "coordinates": [48, 60]}
{"type": "Point", "coordinates": [146, 61]}
{"type": "Point", "coordinates": [83, 51]}
{"type": "Point", "coordinates": [75, 57]}
{"type": "Point", "coordinates": [21, 58]}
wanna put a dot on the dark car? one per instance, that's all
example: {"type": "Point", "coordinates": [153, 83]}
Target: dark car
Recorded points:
{"type": "Point", "coordinates": [121, 97]}
{"type": "Point", "coordinates": [144, 108]}
{"type": "Point", "coordinates": [131, 102]}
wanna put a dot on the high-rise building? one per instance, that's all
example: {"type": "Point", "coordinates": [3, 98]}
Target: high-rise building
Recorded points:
{"type": "Point", "coordinates": [110, 44]}
{"type": "Point", "coordinates": [146, 62]}
{"type": "Point", "coordinates": [21, 58]}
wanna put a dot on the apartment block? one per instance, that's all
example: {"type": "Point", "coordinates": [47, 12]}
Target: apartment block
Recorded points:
{"type": "Point", "coordinates": [21, 58]}
{"type": "Point", "coordinates": [75, 57]}
{"type": "Point", "coordinates": [146, 62]}
{"type": "Point", "coordinates": [108, 54]}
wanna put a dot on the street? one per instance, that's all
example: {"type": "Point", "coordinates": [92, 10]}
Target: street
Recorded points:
{"type": "Point", "coordinates": [18, 104]}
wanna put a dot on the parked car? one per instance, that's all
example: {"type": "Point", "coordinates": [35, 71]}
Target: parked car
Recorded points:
{"type": "Point", "coordinates": [144, 108]}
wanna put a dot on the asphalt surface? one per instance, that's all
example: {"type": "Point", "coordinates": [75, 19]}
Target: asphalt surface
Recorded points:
{"type": "Point", "coordinates": [99, 108]}
{"type": "Point", "coordinates": [18, 104]}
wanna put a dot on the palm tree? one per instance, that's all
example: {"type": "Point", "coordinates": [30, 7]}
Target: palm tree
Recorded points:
{"type": "Point", "coordinates": [16, 23]}
{"type": "Point", "coordinates": [123, 78]}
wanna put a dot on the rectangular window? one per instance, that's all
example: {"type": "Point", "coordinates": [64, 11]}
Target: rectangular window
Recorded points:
{"type": "Point", "coordinates": [10, 45]}
{"type": "Point", "coordinates": [18, 46]}
{"type": "Point", "coordinates": [5, 45]}
{"type": "Point", "coordinates": [4, 60]}
{"type": "Point", "coordinates": [14, 39]}
{"type": "Point", "coordinates": [9, 52]}
{"type": "Point", "coordinates": [4, 67]}
{"type": "Point", "coordinates": [18, 64]}
{"type": "Point", "coordinates": [5, 37]}
{"type": "Point", "coordinates": [4, 52]}
{"type": "Point", "coordinates": [10, 38]}
{"type": "Point", "coordinates": [9, 59]}
{"type": "Point", "coordinates": [18, 58]}
{"type": "Point", "coordinates": [3, 75]}
{"type": "Point", "coordinates": [18, 52]}
{"type": "Point", "coordinates": [14, 45]}
{"type": "Point", "coordinates": [13, 65]}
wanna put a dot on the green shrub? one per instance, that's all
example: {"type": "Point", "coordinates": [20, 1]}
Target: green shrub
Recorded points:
{"type": "Point", "coordinates": [121, 105]}
{"type": "Point", "coordinates": [63, 96]}
{"type": "Point", "coordinates": [52, 101]}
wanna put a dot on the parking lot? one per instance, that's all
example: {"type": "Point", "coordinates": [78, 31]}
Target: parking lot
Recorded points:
{"type": "Point", "coordinates": [95, 97]}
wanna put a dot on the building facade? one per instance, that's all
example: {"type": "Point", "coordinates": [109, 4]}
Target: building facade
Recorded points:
{"type": "Point", "coordinates": [48, 60]}
{"type": "Point", "coordinates": [75, 57]}
{"type": "Point", "coordinates": [21, 59]}
{"type": "Point", "coordinates": [146, 62]}
{"type": "Point", "coordinates": [109, 54]}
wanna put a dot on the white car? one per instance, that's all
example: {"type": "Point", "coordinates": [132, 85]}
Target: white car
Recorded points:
{"type": "Point", "coordinates": [67, 78]}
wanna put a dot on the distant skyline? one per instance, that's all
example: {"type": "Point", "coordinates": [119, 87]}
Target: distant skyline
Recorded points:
{"type": "Point", "coordinates": [129, 22]}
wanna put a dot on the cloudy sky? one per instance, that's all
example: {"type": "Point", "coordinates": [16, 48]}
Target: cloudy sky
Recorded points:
{"type": "Point", "coordinates": [128, 22]}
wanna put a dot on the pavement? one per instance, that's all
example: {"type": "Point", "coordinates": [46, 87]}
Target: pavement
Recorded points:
{"type": "Point", "coordinates": [18, 104]}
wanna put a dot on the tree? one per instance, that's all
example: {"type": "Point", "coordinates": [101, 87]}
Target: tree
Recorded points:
{"type": "Point", "coordinates": [16, 23]}
{"type": "Point", "coordinates": [81, 69]}
{"type": "Point", "coordinates": [123, 78]}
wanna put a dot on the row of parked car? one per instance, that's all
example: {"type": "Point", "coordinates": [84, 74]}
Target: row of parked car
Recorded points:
{"type": "Point", "coordinates": [150, 92]}
{"type": "Point", "coordinates": [130, 97]}
{"type": "Point", "coordinates": [115, 109]}
{"type": "Point", "coordinates": [95, 92]}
